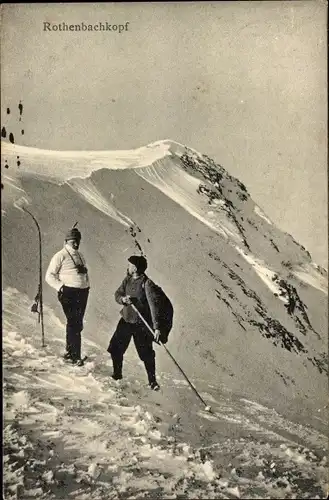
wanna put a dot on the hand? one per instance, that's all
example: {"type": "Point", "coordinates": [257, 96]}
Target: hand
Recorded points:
{"type": "Point", "coordinates": [126, 300]}
{"type": "Point", "coordinates": [60, 292]}
{"type": "Point", "coordinates": [157, 334]}
{"type": "Point", "coordinates": [34, 307]}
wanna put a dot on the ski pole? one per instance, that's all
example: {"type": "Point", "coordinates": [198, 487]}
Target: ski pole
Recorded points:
{"type": "Point", "coordinates": [207, 408]}
{"type": "Point", "coordinates": [40, 277]}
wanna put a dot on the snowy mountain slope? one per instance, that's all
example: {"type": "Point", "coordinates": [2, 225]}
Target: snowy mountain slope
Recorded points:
{"type": "Point", "coordinates": [220, 201]}
{"type": "Point", "coordinates": [71, 167]}
{"type": "Point", "coordinates": [75, 433]}
{"type": "Point", "coordinates": [230, 274]}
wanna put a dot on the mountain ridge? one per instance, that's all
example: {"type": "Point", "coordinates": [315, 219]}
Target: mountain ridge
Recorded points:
{"type": "Point", "coordinates": [190, 160]}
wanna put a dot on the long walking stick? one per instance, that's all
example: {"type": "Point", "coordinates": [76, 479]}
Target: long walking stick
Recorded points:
{"type": "Point", "coordinates": [40, 294]}
{"type": "Point", "coordinates": [207, 408]}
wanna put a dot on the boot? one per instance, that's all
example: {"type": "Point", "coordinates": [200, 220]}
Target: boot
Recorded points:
{"type": "Point", "coordinates": [117, 369]}
{"type": "Point", "coordinates": [150, 369]}
{"type": "Point", "coordinates": [154, 386]}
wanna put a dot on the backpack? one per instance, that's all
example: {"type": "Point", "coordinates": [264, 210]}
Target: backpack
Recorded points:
{"type": "Point", "coordinates": [166, 313]}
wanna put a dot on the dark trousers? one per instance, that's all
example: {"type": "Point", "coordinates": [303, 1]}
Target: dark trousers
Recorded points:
{"type": "Point", "coordinates": [143, 342]}
{"type": "Point", "coordinates": [74, 302]}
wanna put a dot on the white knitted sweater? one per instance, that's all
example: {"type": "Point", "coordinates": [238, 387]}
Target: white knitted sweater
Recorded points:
{"type": "Point", "coordinates": [62, 270]}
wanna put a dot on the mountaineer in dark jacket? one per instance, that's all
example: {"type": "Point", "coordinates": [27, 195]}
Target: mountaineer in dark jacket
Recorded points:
{"type": "Point", "coordinates": [136, 288]}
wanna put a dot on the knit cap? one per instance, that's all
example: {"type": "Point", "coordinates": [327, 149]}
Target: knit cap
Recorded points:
{"type": "Point", "coordinates": [73, 234]}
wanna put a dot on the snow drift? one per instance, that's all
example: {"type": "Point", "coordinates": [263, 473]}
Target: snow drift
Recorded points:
{"type": "Point", "coordinates": [75, 433]}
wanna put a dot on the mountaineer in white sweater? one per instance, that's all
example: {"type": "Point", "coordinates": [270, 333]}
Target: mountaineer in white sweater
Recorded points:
{"type": "Point", "coordinates": [68, 274]}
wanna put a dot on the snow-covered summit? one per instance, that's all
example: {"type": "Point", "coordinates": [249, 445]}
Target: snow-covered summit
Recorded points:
{"type": "Point", "coordinates": [61, 166]}
{"type": "Point", "coordinates": [197, 183]}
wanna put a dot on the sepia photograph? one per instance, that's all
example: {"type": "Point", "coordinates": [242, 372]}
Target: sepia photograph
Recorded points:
{"type": "Point", "coordinates": [164, 250]}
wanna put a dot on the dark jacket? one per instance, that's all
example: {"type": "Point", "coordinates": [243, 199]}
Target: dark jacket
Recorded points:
{"type": "Point", "coordinates": [144, 297]}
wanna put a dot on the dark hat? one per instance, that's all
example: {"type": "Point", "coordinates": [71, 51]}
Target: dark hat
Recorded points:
{"type": "Point", "coordinates": [139, 261]}
{"type": "Point", "coordinates": [73, 234]}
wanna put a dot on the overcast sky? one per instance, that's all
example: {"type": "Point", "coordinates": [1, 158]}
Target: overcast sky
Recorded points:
{"type": "Point", "coordinates": [243, 82]}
